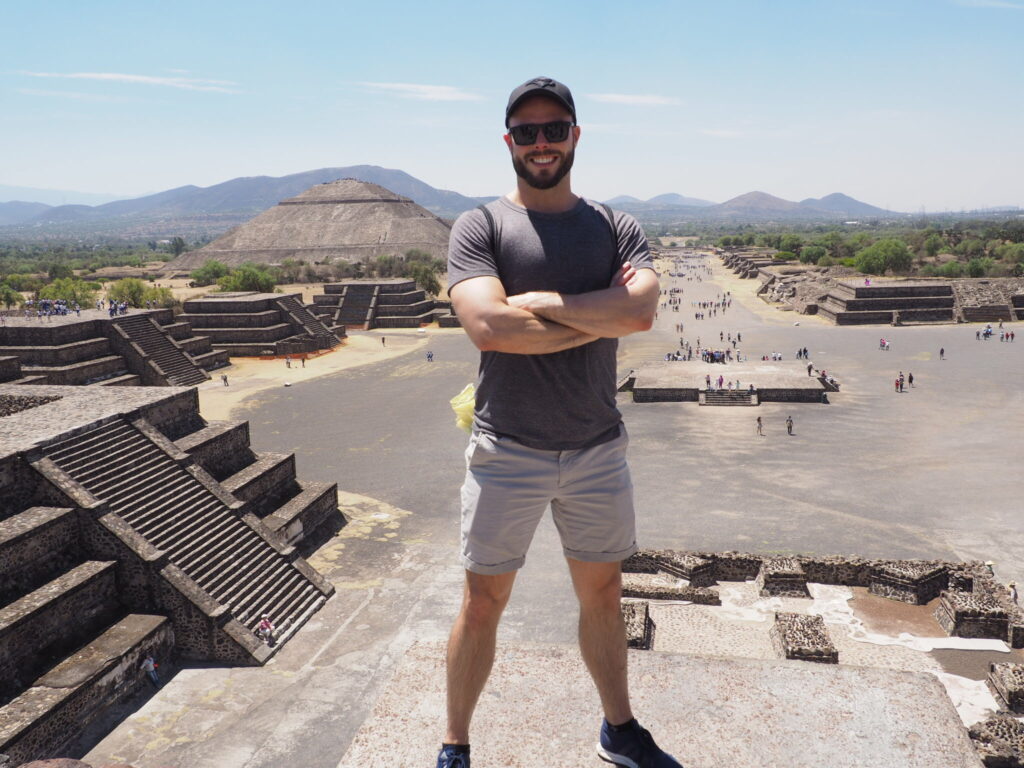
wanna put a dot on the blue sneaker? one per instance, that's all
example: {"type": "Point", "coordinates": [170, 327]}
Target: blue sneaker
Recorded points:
{"type": "Point", "coordinates": [633, 747]}
{"type": "Point", "coordinates": [450, 758]}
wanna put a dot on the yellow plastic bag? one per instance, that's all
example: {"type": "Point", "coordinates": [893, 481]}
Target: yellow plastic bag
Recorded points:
{"type": "Point", "coordinates": [463, 405]}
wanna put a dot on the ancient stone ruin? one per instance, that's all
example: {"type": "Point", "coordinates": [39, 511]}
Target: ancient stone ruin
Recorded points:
{"type": "Point", "coordinates": [253, 324]}
{"type": "Point", "coordinates": [145, 347]}
{"type": "Point", "coordinates": [130, 526]}
{"type": "Point", "coordinates": [346, 219]}
{"type": "Point", "coordinates": [384, 303]}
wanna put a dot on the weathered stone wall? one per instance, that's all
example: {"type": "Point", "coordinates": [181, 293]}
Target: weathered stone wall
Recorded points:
{"type": "Point", "coordinates": [50, 622]}
{"type": "Point", "coordinates": [34, 547]}
{"type": "Point", "coordinates": [54, 716]}
{"type": "Point", "coordinates": [46, 334]}
{"type": "Point", "coordinates": [60, 355]}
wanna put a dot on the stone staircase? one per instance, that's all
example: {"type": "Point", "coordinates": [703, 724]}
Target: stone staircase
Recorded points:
{"type": "Point", "coordinates": [309, 322]}
{"type": "Point", "coordinates": [176, 365]}
{"type": "Point", "coordinates": [202, 531]}
{"type": "Point", "coordinates": [727, 397]}
{"type": "Point", "coordinates": [69, 647]}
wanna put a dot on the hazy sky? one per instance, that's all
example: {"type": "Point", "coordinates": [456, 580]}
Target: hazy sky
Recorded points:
{"type": "Point", "coordinates": [900, 103]}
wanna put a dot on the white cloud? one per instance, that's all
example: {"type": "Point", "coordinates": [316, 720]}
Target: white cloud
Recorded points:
{"type": "Point", "coordinates": [635, 99]}
{"type": "Point", "coordinates": [186, 83]}
{"type": "Point", "coordinates": [68, 95]}
{"type": "Point", "coordinates": [989, 4]}
{"type": "Point", "coordinates": [722, 133]}
{"type": "Point", "coordinates": [424, 92]}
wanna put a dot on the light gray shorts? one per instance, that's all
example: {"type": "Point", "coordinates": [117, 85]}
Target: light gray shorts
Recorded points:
{"type": "Point", "coordinates": [508, 486]}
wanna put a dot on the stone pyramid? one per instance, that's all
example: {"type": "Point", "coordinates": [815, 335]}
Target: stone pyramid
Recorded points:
{"type": "Point", "coordinates": [346, 219]}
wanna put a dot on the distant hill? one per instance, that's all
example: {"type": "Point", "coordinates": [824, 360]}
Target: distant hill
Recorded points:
{"type": "Point", "coordinates": [254, 194]}
{"type": "Point", "coordinates": [837, 202]}
{"type": "Point", "coordinates": [53, 196]}
{"type": "Point", "coordinates": [671, 198]}
{"type": "Point", "coordinates": [623, 199]}
{"type": "Point", "coordinates": [15, 212]}
{"type": "Point", "coordinates": [757, 202]}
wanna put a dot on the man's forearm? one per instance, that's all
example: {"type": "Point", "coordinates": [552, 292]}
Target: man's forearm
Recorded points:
{"type": "Point", "coordinates": [609, 313]}
{"type": "Point", "coordinates": [518, 331]}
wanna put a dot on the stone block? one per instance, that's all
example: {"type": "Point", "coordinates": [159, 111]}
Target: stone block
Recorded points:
{"type": "Point", "coordinates": [965, 614]}
{"type": "Point", "coordinates": [699, 571]}
{"type": "Point", "coordinates": [1006, 680]}
{"type": "Point", "coordinates": [782, 576]}
{"type": "Point", "coordinates": [999, 741]}
{"type": "Point", "coordinates": [909, 581]}
{"type": "Point", "coordinates": [658, 586]}
{"type": "Point", "coordinates": [803, 638]}
{"type": "Point", "coordinates": [639, 626]}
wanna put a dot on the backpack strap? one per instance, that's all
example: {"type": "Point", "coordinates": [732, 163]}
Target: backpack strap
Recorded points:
{"type": "Point", "coordinates": [611, 222]}
{"type": "Point", "coordinates": [491, 228]}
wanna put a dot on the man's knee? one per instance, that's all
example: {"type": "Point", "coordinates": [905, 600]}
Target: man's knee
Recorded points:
{"type": "Point", "coordinates": [485, 597]}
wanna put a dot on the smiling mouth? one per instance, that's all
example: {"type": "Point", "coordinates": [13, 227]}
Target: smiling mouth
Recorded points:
{"type": "Point", "coordinates": [543, 160]}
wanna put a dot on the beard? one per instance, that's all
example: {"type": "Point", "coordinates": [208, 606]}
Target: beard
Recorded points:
{"type": "Point", "coordinates": [544, 182]}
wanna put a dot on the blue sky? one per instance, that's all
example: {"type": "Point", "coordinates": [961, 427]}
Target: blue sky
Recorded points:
{"type": "Point", "coordinates": [901, 103]}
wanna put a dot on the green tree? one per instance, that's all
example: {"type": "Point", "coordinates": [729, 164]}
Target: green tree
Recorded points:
{"type": "Point", "coordinates": [178, 246]}
{"type": "Point", "coordinates": [248, 277]}
{"type": "Point", "coordinates": [933, 245]}
{"type": "Point", "coordinates": [784, 256]}
{"type": "Point", "coordinates": [26, 283]}
{"type": "Point", "coordinates": [10, 297]}
{"type": "Point", "coordinates": [812, 254]}
{"type": "Point", "coordinates": [791, 243]}
{"type": "Point", "coordinates": [58, 270]}
{"type": "Point", "coordinates": [71, 289]}
{"type": "Point", "coordinates": [1012, 253]}
{"type": "Point", "coordinates": [888, 253]}
{"type": "Point", "coordinates": [425, 278]}
{"type": "Point", "coordinates": [159, 296]}
{"type": "Point", "coordinates": [129, 289]}
{"type": "Point", "coordinates": [209, 273]}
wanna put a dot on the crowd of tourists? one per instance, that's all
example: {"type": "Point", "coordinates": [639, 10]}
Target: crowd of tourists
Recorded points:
{"type": "Point", "coordinates": [48, 308]}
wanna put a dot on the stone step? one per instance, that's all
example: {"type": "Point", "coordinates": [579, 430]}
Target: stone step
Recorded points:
{"type": "Point", "coordinates": [35, 545]}
{"type": "Point", "coordinates": [265, 477]}
{"type": "Point", "coordinates": [127, 380]}
{"type": "Point", "coordinates": [304, 512]}
{"type": "Point", "coordinates": [41, 626]}
{"type": "Point", "coordinates": [89, 442]}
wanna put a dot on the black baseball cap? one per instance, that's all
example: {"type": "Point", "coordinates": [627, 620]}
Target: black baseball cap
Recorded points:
{"type": "Point", "coordinates": [541, 86]}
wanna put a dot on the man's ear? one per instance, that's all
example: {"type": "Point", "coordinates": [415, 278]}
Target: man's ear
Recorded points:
{"type": "Point", "coordinates": [575, 135]}
{"type": "Point", "coordinates": [508, 141]}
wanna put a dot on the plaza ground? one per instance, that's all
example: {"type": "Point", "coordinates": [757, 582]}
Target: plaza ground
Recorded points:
{"type": "Point", "coordinates": [929, 473]}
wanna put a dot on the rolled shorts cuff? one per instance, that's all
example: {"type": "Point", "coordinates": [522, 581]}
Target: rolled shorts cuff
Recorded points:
{"type": "Point", "coordinates": [492, 569]}
{"type": "Point", "coordinates": [602, 557]}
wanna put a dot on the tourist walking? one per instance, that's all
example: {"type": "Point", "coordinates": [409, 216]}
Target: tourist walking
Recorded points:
{"type": "Point", "coordinates": [910, 378]}
{"type": "Point", "coordinates": [760, 427]}
{"type": "Point", "coordinates": [942, 353]}
{"type": "Point", "coordinates": [149, 666]}
{"type": "Point", "coordinates": [537, 348]}
{"type": "Point", "coordinates": [789, 425]}
{"type": "Point", "coordinates": [224, 379]}
{"type": "Point", "coordinates": [265, 630]}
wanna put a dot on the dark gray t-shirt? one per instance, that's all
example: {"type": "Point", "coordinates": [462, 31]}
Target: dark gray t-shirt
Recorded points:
{"type": "Point", "coordinates": [562, 400]}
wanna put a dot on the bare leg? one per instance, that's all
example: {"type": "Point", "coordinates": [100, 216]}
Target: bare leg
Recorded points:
{"type": "Point", "coordinates": [471, 648]}
{"type": "Point", "coordinates": [603, 634]}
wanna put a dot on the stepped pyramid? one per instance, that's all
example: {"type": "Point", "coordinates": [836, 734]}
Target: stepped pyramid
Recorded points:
{"type": "Point", "coordinates": [130, 526]}
{"type": "Point", "coordinates": [347, 219]}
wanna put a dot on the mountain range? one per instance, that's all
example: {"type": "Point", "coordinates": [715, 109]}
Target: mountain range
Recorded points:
{"type": "Point", "coordinates": [192, 211]}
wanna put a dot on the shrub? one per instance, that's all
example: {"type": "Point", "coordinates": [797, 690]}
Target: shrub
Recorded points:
{"type": "Point", "coordinates": [209, 273]}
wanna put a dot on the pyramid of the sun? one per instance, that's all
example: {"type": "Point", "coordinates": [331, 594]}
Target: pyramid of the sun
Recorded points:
{"type": "Point", "coordinates": [347, 219]}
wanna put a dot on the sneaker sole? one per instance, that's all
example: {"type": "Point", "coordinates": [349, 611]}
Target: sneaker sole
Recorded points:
{"type": "Point", "coordinates": [611, 757]}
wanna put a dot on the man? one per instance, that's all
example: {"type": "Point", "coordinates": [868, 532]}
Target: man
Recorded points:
{"type": "Point", "coordinates": [544, 284]}
{"type": "Point", "coordinates": [789, 424]}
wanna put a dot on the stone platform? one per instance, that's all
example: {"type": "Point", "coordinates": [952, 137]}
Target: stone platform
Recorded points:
{"type": "Point", "coordinates": [782, 381]}
{"type": "Point", "coordinates": [540, 708]}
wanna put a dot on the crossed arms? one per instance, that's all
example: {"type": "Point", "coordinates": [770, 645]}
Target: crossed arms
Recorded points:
{"type": "Point", "coordinates": [540, 322]}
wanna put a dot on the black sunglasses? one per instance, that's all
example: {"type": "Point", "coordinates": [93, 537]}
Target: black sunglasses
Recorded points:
{"type": "Point", "coordinates": [526, 134]}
